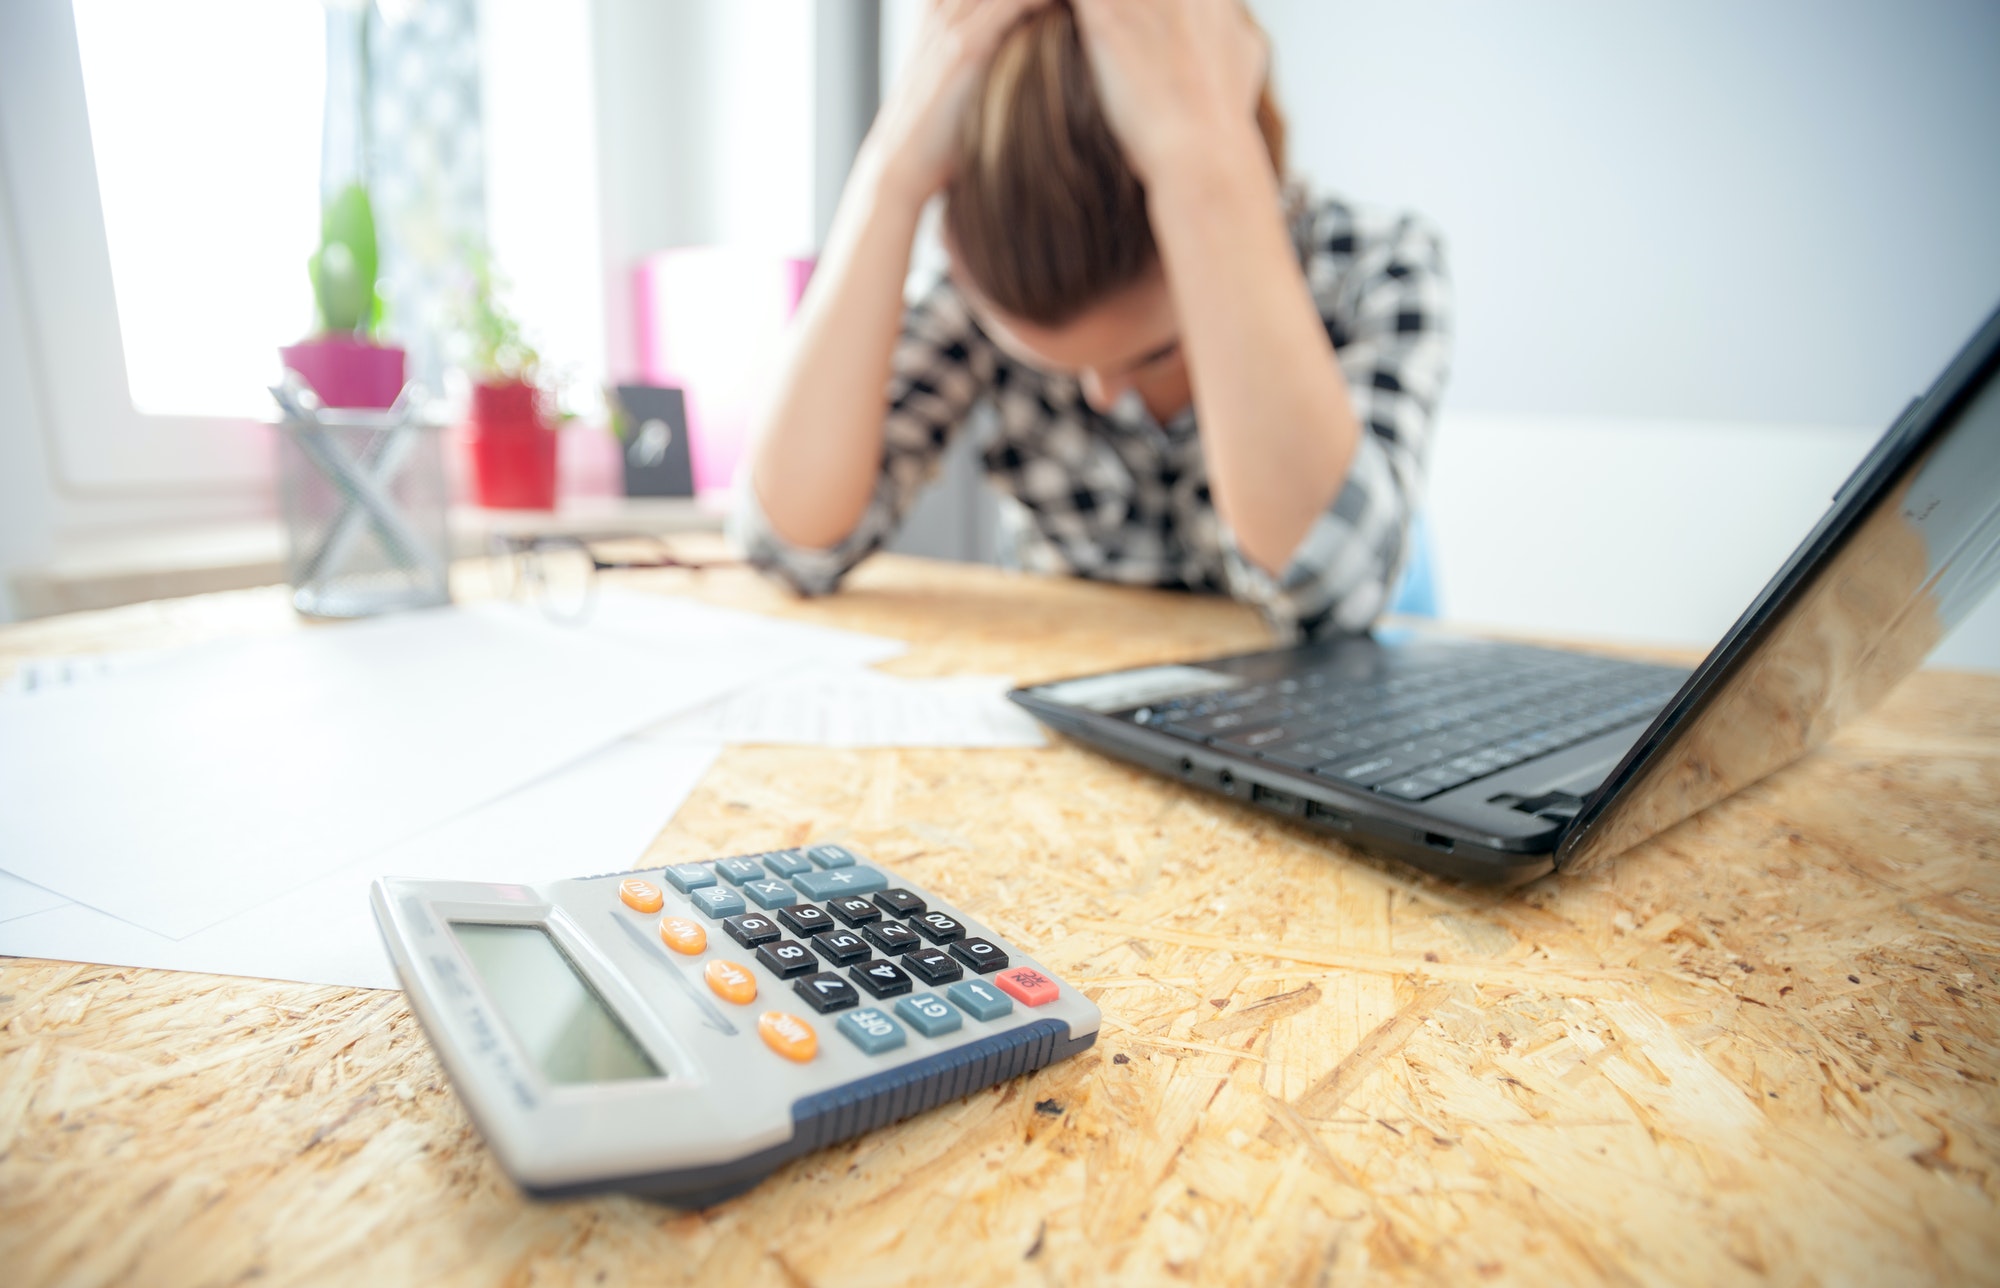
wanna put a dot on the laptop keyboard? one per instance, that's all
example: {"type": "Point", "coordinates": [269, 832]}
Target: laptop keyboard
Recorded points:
{"type": "Point", "coordinates": [1431, 721]}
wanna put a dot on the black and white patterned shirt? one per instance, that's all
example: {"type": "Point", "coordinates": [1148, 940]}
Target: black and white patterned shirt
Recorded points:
{"type": "Point", "coordinates": [1117, 497]}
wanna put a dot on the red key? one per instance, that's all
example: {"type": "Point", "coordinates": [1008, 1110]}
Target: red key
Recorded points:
{"type": "Point", "coordinates": [1027, 986]}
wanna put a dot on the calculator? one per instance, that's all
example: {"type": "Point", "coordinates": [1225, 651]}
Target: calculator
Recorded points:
{"type": "Point", "coordinates": [681, 1032]}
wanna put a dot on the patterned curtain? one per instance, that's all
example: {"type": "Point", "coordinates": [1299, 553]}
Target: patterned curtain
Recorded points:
{"type": "Point", "coordinates": [403, 116]}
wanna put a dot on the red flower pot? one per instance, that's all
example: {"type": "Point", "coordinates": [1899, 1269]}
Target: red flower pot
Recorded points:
{"type": "Point", "coordinates": [513, 449]}
{"type": "Point", "coordinates": [346, 372]}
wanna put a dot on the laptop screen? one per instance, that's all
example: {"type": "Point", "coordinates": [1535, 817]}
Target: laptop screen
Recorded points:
{"type": "Point", "coordinates": [1909, 547]}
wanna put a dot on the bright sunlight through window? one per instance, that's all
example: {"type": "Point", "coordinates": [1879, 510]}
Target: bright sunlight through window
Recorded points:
{"type": "Point", "coordinates": [205, 123]}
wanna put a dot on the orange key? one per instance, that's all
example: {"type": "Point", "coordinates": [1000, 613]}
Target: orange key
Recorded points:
{"type": "Point", "coordinates": [731, 982]}
{"type": "Point", "coordinates": [640, 896]}
{"type": "Point", "coordinates": [788, 1035]}
{"type": "Point", "coordinates": [1028, 986]}
{"type": "Point", "coordinates": [682, 935]}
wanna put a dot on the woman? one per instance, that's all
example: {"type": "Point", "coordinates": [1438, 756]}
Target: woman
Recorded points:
{"type": "Point", "coordinates": [1126, 265]}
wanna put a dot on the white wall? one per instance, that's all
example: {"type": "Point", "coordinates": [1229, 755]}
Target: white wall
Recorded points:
{"type": "Point", "coordinates": [1703, 252]}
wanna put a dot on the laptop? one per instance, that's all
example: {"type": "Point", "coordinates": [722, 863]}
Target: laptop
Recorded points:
{"type": "Point", "coordinates": [1500, 762]}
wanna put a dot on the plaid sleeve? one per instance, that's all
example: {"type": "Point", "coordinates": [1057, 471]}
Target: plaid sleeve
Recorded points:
{"type": "Point", "coordinates": [1381, 288]}
{"type": "Point", "coordinates": [940, 367]}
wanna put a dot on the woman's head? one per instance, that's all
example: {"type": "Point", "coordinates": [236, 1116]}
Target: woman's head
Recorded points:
{"type": "Point", "coordinates": [1045, 220]}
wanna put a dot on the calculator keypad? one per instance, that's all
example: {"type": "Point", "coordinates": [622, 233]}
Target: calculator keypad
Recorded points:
{"type": "Point", "coordinates": [835, 928]}
{"type": "Point", "coordinates": [826, 992]}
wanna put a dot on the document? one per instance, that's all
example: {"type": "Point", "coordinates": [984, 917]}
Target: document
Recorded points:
{"type": "Point", "coordinates": [596, 816]}
{"type": "Point", "coordinates": [845, 706]}
{"type": "Point", "coordinates": [212, 779]}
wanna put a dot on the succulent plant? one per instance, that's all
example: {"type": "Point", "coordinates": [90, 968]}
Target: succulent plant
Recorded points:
{"type": "Point", "coordinates": [343, 268]}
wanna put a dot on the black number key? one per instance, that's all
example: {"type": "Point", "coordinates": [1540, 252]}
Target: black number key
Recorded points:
{"type": "Point", "coordinates": [841, 947]}
{"type": "Point", "coordinates": [983, 955]}
{"type": "Point", "coordinates": [786, 958]}
{"type": "Point", "coordinates": [826, 991]}
{"type": "Point", "coordinates": [892, 937]}
{"type": "Point", "coordinates": [805, 919]}
{"type": "Point", "coordinates": [899, 903]}
{"type": "Point", "coordinates": [883, 978]}
{"type": "Point", "coordinates": [938, 928]}
{"type": "Point", "coordinates": [751, 929]}
{"type": "Point", "coordinates": [853, 909]}
{"type": "Point", "coordinates": [933, 966]}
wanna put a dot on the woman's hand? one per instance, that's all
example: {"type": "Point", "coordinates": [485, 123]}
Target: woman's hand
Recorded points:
{"type": "Point", "coordinates": [915, 133]}
{"type": "Point", "coordinates": [1176, 77]}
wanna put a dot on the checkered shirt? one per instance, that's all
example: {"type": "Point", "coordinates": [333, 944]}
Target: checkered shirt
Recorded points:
{"type": "Point", "coordinates": [1118, 497]}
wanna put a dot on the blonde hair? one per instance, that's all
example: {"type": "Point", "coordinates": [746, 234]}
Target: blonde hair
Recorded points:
{"type": "Point", "coordinates": [1043, 212]}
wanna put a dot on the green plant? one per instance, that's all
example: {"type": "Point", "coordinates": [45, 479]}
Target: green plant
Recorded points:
{"type": "Point", "coordinates": [499, 351]}
{"type": "Point", "coordinates": [343, 268]}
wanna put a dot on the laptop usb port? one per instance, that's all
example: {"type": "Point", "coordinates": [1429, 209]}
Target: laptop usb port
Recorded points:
{"type": "Point", "coordinates": [1318, 813]}
{"type": "Point", "coordinates": [1276, 801]}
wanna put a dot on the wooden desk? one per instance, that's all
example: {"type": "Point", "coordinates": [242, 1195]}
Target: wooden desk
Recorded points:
{"type": "Point", "coordinates": [1763, 1047]}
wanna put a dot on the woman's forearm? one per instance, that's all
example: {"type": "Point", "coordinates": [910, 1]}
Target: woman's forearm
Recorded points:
{"type": "Point", "coordinates": [1278, 428]}
{"type": "Point", "coordinates": [819, 441]}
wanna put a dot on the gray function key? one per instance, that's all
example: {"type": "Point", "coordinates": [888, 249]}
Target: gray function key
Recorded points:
{"type": "Point", "coordinates": [770, 893]}
{"type": "Point", "coordinates": [690, 877]}
{"type": "Point", "coordinates": [929, 1014]}
{"type": "Point", "coordinates": [737, 871]}
{"type": "Point", "coordinates": [839, 881]}
{"type": "Point", "coordinates": [718, 901]}
{"type": "Point", "coordinates": [831, 856]}
{"type": "Point", "coordinates": [871, 1030]}
{"type": "Point", "coordinates": [786, 863]}
{"type": "Point", "coordinates": [980, 1000]}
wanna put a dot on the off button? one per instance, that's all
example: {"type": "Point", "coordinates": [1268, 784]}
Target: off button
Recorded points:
{"type": "Point", "coordinates": [788, 1035]}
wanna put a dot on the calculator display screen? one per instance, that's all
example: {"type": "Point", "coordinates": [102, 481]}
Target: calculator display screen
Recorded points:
{"type": "Point", "coordinates": [567, 1029]}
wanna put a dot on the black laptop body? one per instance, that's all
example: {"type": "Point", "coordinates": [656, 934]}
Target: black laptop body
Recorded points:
{"type": "Point", "coordinates": [1499, 762]}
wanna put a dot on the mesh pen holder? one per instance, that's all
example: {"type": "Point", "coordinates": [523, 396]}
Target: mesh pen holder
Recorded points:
{"type": "Point", "coordinates": [364, 501]}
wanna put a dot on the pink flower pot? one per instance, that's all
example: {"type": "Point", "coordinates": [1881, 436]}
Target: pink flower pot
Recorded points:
{"type": "Point", "coordinates": [346, 372]}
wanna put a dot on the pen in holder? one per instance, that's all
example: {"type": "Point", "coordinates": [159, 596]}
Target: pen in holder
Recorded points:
{"type": "Point", "coordinates": [364, 501]}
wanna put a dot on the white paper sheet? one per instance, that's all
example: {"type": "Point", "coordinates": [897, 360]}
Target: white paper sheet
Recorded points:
{"type": "Point", "coordinates": [199, 786]}
{"type": "Point", "coordinates": [596, 816]}
{"type": "Point", "coordinates": [835, 706]}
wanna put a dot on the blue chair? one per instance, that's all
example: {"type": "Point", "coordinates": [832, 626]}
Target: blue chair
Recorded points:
{"type": "Point", "coordinates": [1416, 593]}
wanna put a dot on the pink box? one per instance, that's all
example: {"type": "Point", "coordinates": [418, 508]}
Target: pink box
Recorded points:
{"type": "Point", "coordinates": [712, 323]}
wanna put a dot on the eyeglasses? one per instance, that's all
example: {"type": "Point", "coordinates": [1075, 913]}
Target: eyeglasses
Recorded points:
{"type": "Point", "coordinates": [559, 573]}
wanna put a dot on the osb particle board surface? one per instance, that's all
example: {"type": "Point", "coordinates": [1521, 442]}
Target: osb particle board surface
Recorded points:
{"type": "Point", "coordinates": [1760, 1048]}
